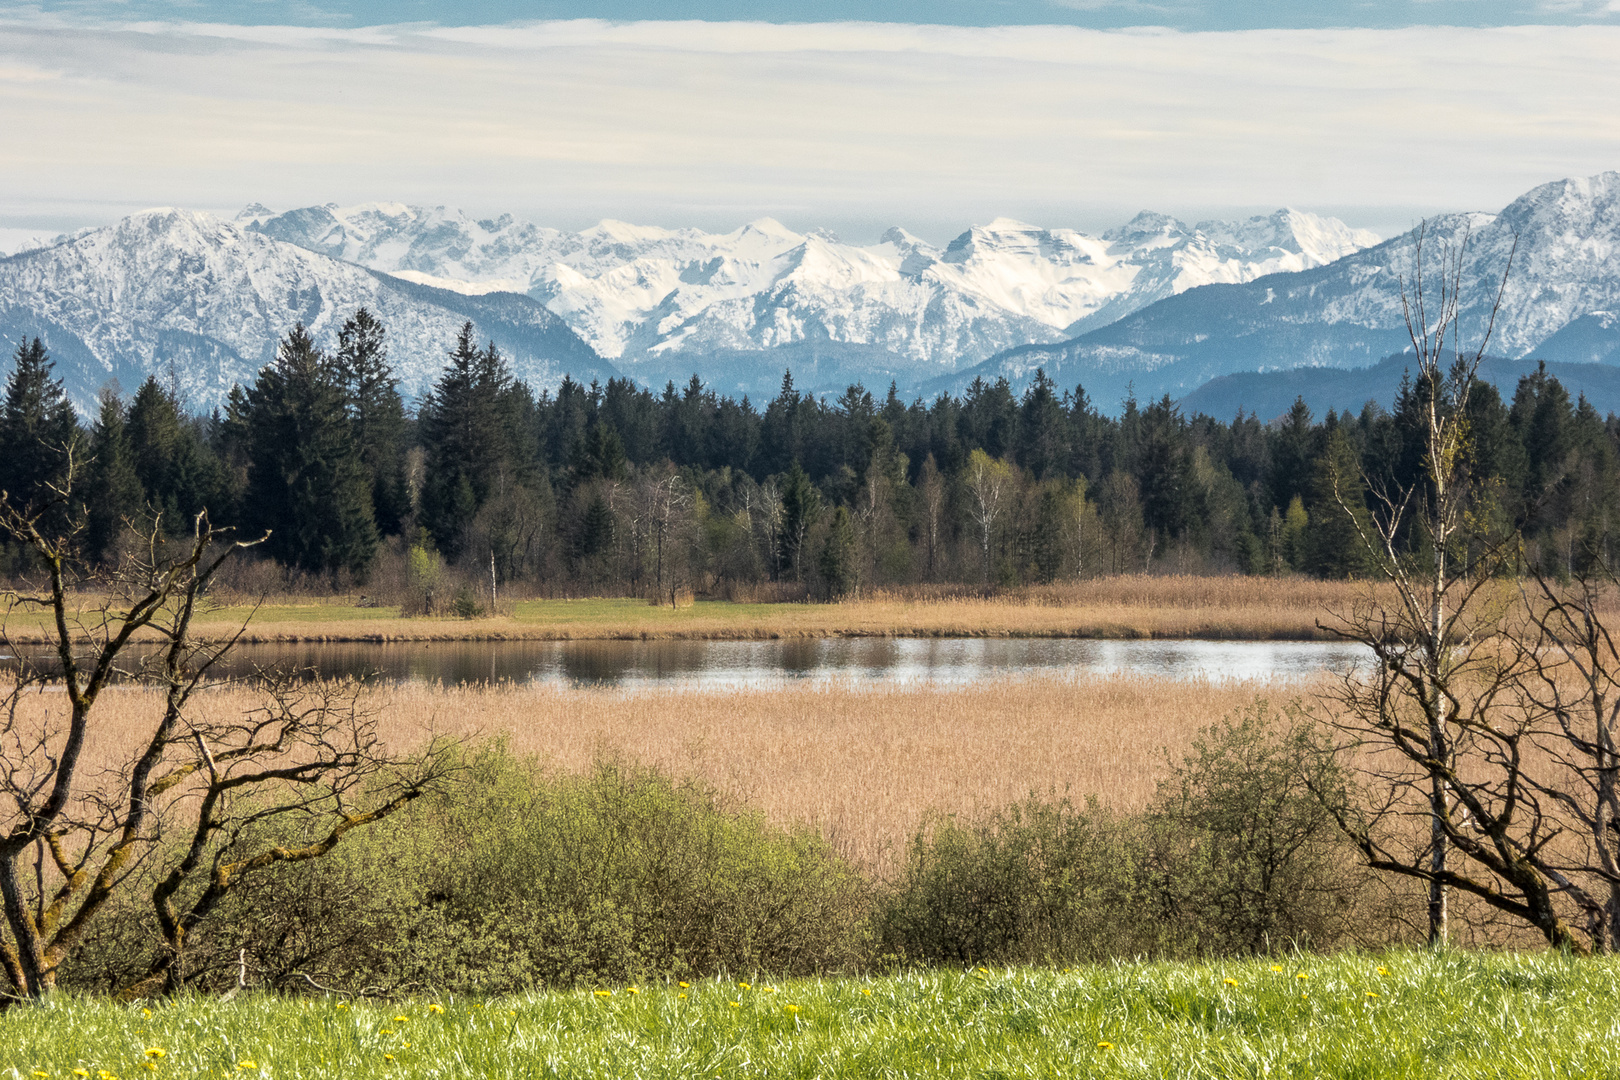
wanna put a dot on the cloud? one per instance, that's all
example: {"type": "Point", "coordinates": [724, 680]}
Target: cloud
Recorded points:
{"type": "Point", "coordinates": [706, 122]}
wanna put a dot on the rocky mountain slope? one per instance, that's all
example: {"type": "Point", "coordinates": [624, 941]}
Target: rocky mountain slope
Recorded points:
{"type": "Point", "coordinates": [175, 290]}
{"type": "Point", "coordinates": [1561, 240]}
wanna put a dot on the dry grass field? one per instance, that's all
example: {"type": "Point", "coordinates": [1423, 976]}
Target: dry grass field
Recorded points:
{"type": "Point", "coordinates": [1128, 606]}
{"type": "Point", "coordinates": [864, 767]}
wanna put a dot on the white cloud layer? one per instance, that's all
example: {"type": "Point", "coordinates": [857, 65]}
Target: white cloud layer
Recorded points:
{"type": "Point", "coordinates": [707, 123]}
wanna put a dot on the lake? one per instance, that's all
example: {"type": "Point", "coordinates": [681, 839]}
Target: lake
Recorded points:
{"type": "Point", "coordinates": [634, 665]}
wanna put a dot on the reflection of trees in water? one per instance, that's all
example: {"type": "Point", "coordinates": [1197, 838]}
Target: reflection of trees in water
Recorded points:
{"type": "Point", "coordinates": [621, 663]}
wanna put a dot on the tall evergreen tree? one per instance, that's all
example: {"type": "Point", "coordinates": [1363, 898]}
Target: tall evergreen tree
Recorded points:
{"type": "Point", "coordinates": [178, 470]}
{"type": "Point", "coordinates": [38, 430]}
{"type": "Point", "coordinates": [377, 414]}
{"type": "Point", "coordinates": [306, 483]}
{"type": "Point", "coordinates": [801, 507]}
{"type": "Point", "coordinates": [470, 432]}
{"type": "Point", "coordinates": [113, 490]}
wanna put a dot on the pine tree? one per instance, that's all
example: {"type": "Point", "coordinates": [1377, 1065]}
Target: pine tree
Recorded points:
{"type": "Point", "coordinates": [113, 491]}
{"type": "Point", "coordinates": [178, 471]}
{"type": "Point", "coordinates": [306, 483]}
{"type": "Point", "coordinates": [377, 414]}
{"type": "Point", "coordinates": [801, 506]}
{"type": "Point", "coordinates": [38, 430]}
{"type": "Point", "coordinates": [470, 432]}
{"type": "Point", "coordinates": [838, 556]}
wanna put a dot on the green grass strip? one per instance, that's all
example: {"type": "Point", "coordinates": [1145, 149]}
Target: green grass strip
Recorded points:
{"type": "Point", "coordinates": [1404, 1014]}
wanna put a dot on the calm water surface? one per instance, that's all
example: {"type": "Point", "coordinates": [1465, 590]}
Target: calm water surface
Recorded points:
{"type": "Point", "coordinates": [874, 662]}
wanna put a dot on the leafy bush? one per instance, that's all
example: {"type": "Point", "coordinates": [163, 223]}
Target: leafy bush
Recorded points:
{"type": "Point", "coordinates": [1041, 880]}
{"type": "Point", "coordinates": [1237, 853]}
{"type": "Point", "coordinates": [522, 879]}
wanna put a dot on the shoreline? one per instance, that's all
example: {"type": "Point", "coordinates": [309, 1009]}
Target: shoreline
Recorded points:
{"type": "Point", "coordinates": [1105, 609]}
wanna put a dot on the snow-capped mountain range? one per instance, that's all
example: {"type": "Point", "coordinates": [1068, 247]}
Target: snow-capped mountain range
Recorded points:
{"type": "Point", "coordinates": [1155, 305]}
{"type": "Point", "coordinates": [1558, 245]}
{"type": "Point", "coordinates": [654, 300]}
{"type": "Point", "coordinates": [176, 291]}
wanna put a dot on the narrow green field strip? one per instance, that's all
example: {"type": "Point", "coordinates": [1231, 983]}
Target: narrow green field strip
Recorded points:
{"type": "Point", "coordinates": [1396, 1015]}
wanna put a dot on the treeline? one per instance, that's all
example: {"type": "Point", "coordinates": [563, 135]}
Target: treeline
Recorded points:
{"type": "Point", "coordinates": [620, 489]}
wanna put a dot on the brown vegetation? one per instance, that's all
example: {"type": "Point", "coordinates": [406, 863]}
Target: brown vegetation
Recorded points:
{"type": "Point", "coordinates": [1124, 606]}
{"type": "Point", "coordinates": [864, 766]}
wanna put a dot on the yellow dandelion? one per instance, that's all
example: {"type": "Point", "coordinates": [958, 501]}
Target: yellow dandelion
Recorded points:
{"type": "Point", "coordinates": [631, 990]}
{"type": "Point", "coordinates": [1301, 975]}
{"type": "Point", "coordinates": [742, 986]}
{"type": "Point", "coordinates": [1229, 982]}
{"type": "Point", "coordinates": [736, 1004]}
{"type": "Point", "coordinates": [681, 996]}
{"type": "Point", "coordinates": [81, 1072]}
{"type": "Point", "coordinates": [767, 989]}
{"type": "Point", "coordinates": [511, 1012]}
{"type": "Point", "coordinates": [1383, 971]}
{"type": "Point", "coordinates": [985, 970]}
{"type": "Point", "coordinates": [436, 1009]}
{"type": "Point", "coordinates": [247, 1063]}
{"type": "Point", "coordinates": [386, 1031]}
{"type": "Point", "coordinates": [1105, 1045]}
{"type": "Point", "coordinates": [599, 993]}
{"type": "Point", "coordinates": [791, 1008]}
{"type": "Point", "coordinates": [154, 1052]}
{"type": "Point", "coordinates": [1277, 968]}
{"type": "Point", "coordinates": [388, 1057]}
{"type": "Point", "coordinates": [402, 1019]}
{"type": "Point", "coordinates": [147, 1013]}
{"type": "Point", "coordinates": [1371, 994]}
{"type": "Point", "coordinates": [685, 985]}
{"type": "Point", "coordinates": [343, 1004]}
{"type": "Point", "coordinates": [867, 990]}
{"type": "Point", "coordinates": [38, 1072]}
{"type": "Point", "coordinates": [405, 1046]}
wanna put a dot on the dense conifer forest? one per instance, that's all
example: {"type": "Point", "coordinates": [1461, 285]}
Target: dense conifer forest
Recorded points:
{"type": "Point", "coordinates": [617, 489]}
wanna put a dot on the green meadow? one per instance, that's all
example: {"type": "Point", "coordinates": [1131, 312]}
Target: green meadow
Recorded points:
{"type": "Point", "coordinates": [1398, 1014]}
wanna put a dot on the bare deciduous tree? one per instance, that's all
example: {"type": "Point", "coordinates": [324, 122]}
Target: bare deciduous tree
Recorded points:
{"type": "Point", "coordinates": [1429, 644]}
{"type": "Point", "coordinates": [107, 793]}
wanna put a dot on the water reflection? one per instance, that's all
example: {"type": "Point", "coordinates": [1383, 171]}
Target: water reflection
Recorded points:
{"type": "Point", "coordinates": [848, 661]}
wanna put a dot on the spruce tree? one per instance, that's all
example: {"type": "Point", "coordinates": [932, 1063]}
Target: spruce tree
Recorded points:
{"type": "Point", "coordinates": [113, 491]}
{"type": "Point", "coordinates": [306, 483]}
{"type": "Point", "coordinates": [37, 430]}
{"type": "Point", "coordinates": [378, 415]}
{"type": "Point", "coordinates": [801, 507]}
{"type": "Point", "coordinates": [470, 432]}
{"type": "Point", "coordinates": [178, 470]}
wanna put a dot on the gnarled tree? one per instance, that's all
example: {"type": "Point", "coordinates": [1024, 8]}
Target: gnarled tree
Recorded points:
{"type": "Point", "coordinates": [111, 792]}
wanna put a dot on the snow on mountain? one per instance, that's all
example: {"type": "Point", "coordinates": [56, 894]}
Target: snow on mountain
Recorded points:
{"type": "Point", "coordinates": [1562, 240]}
{"type": "Point", "coordinates": [176, 290]}
{"type": "Point", "coordinates": [657, 299]}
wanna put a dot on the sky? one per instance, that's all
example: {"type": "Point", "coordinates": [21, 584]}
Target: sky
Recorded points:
{"type": "Point", "coordinates": [853, 117]}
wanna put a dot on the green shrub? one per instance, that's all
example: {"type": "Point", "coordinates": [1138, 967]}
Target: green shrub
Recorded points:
{"type": "Point", "coordinates": [521, 878]}
{"type": "Point", "coordinates": [1042, 880]}
{"type": "Point", "coordinates": [1237, 853]}
{"type": "Point", "coordinates": [1246, 855]}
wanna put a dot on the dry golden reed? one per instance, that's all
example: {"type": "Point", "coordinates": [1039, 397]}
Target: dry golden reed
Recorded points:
{"type": "Point", "coordinates": [1124, 606]}
{"type": "Point", "coordinates": [863, 766]}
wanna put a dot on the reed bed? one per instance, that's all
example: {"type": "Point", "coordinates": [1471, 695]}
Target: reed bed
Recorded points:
{"type": "Point", "coordinates": [865, 767]}
{"type": "Point", "coordinates": [1126, 606]}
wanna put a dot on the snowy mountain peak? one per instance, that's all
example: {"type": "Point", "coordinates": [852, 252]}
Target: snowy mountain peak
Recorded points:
{"type": "Point", "coordinates": [637, 292]}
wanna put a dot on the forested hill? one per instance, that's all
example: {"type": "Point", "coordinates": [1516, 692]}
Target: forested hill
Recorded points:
{"type": "Point", "coordinates": [611, 488]}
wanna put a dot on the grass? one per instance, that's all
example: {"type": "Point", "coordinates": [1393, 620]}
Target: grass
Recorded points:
{"type": "Point", "coordinates": [1128, 606]}
{"type": "Point", "coordinates": [1401, 1014]}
